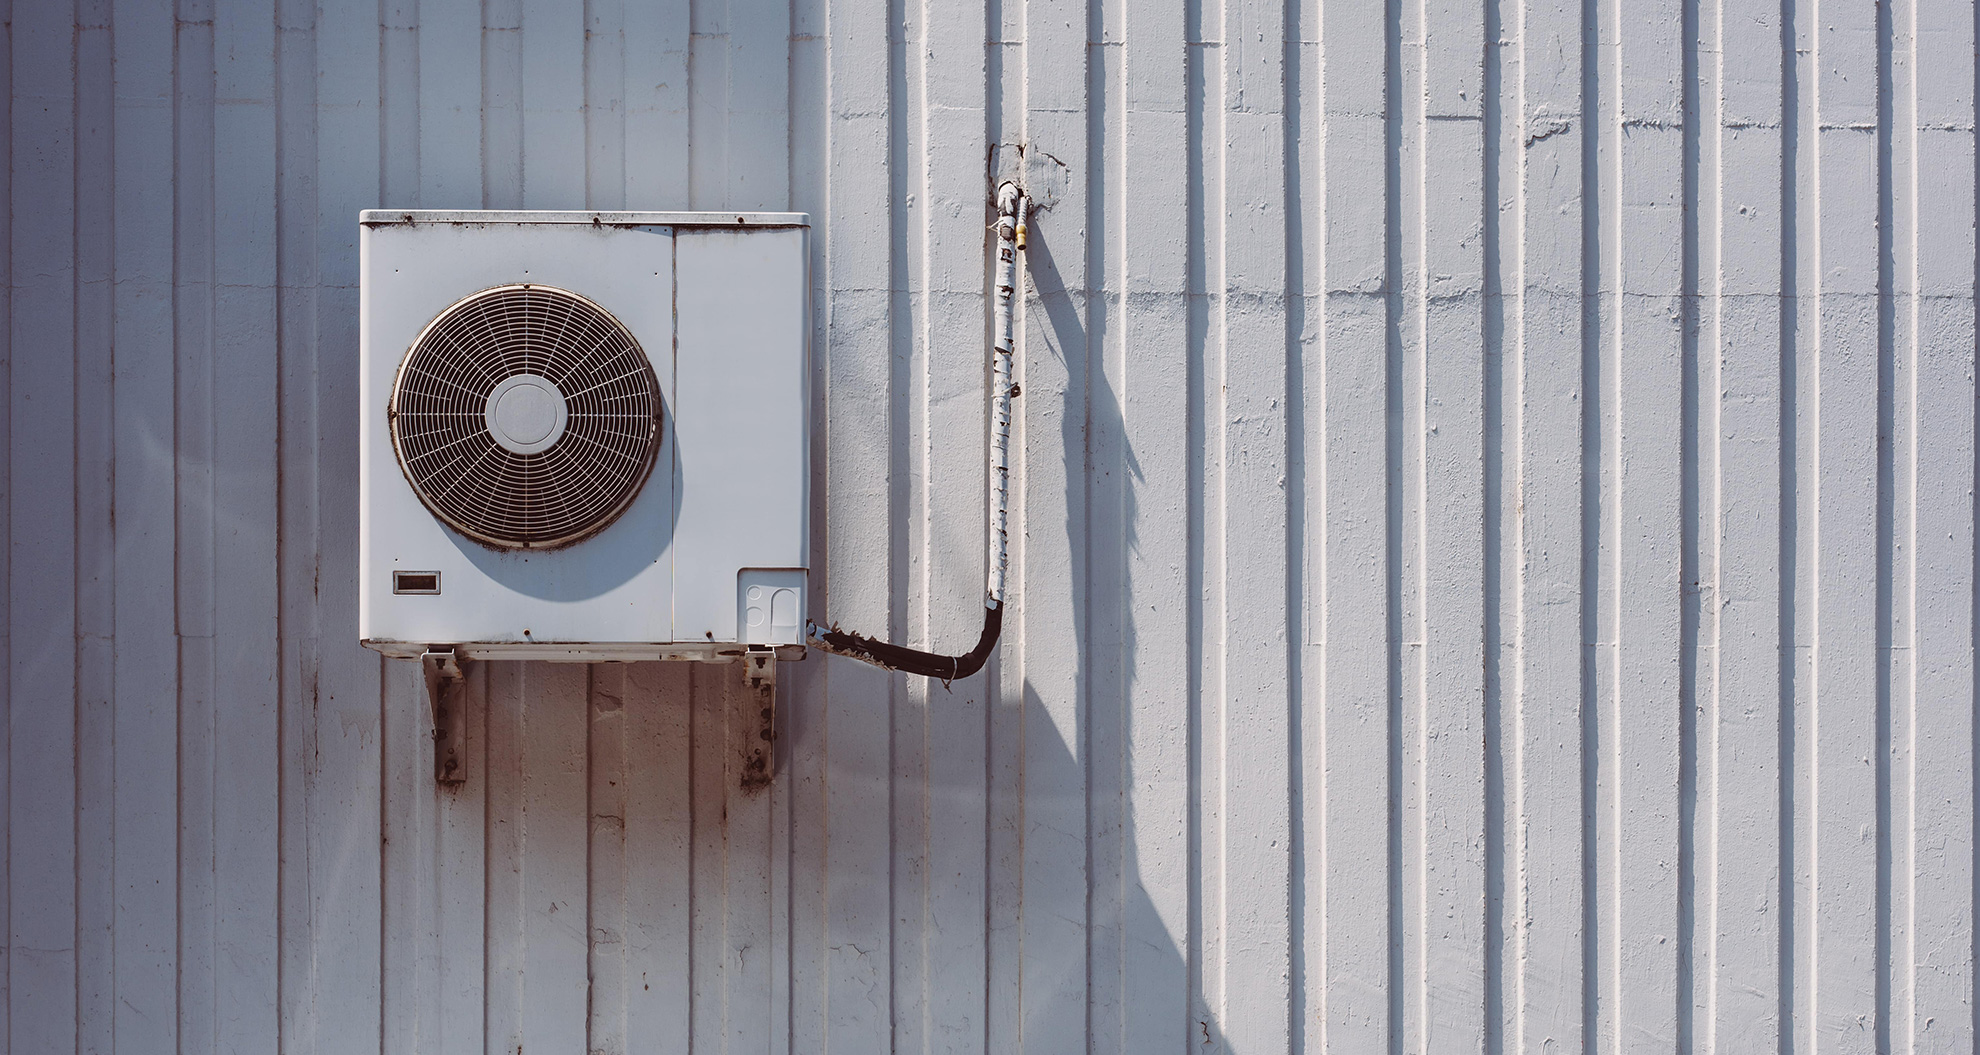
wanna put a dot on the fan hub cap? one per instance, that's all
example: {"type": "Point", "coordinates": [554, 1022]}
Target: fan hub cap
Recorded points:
{"type": "Point", "coordinates": [527, 414]}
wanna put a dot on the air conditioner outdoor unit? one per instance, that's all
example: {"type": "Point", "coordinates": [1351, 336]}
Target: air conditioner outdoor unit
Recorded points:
{"type": "Point", "coordinates": [583, 435]}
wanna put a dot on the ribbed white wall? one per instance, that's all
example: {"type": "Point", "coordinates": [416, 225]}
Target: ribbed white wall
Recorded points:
{"type": "Point", "coordinates": [1496, 567]}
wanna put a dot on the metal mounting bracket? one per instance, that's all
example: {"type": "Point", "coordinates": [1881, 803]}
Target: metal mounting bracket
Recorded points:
{"type": "Point", "coordinates": [446, 690]}
{"type": "Point", "coordinates": [760, 668]}
{"type": "Point", "coordinates": [760, 678]}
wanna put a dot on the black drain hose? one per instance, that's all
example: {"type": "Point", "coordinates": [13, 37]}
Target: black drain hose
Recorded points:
{"type": "Point", "coordinates": [915, 661]}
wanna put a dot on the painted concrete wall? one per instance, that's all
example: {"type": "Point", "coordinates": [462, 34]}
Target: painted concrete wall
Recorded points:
{"type": "Point", "coordinates": [1496, 567]}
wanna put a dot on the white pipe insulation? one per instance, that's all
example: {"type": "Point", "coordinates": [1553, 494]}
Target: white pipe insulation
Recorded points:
{"type": "Point", "coordinates": [1010, 241]}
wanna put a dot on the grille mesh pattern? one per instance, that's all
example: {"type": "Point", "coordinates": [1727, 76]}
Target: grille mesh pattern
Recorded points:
{"type": "Point", "coordinates": [440, 417]}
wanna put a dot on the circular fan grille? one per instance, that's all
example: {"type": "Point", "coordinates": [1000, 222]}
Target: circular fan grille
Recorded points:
{"type": "Point", "coordinates": [526, 416]}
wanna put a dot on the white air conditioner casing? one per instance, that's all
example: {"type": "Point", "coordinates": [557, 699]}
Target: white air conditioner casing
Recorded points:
{"type": "Point", "coordinates": [710, 552]}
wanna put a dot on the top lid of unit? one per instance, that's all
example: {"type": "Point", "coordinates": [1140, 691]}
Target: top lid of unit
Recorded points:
{"type": "Point", "coordinates": [394, 217]}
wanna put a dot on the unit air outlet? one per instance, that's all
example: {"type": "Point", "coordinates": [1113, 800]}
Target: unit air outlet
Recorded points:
{"type": "Point", "coordinates": [526, 417]}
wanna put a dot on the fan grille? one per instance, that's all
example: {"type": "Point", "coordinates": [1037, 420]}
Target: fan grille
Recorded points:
{"type": "Point", "coordinates": [526, 417]}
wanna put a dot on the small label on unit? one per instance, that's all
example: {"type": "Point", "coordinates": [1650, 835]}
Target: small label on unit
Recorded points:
{"type": "Point", "coordinates": [416, 582]}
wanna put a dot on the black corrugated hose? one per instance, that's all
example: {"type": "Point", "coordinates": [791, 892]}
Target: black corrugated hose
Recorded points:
{"type": "Point", "coordinates": [915, 661]}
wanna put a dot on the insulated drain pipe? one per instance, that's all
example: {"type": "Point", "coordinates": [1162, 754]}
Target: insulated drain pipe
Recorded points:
{"type": "Point", "coordinates": [1011, 206]}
